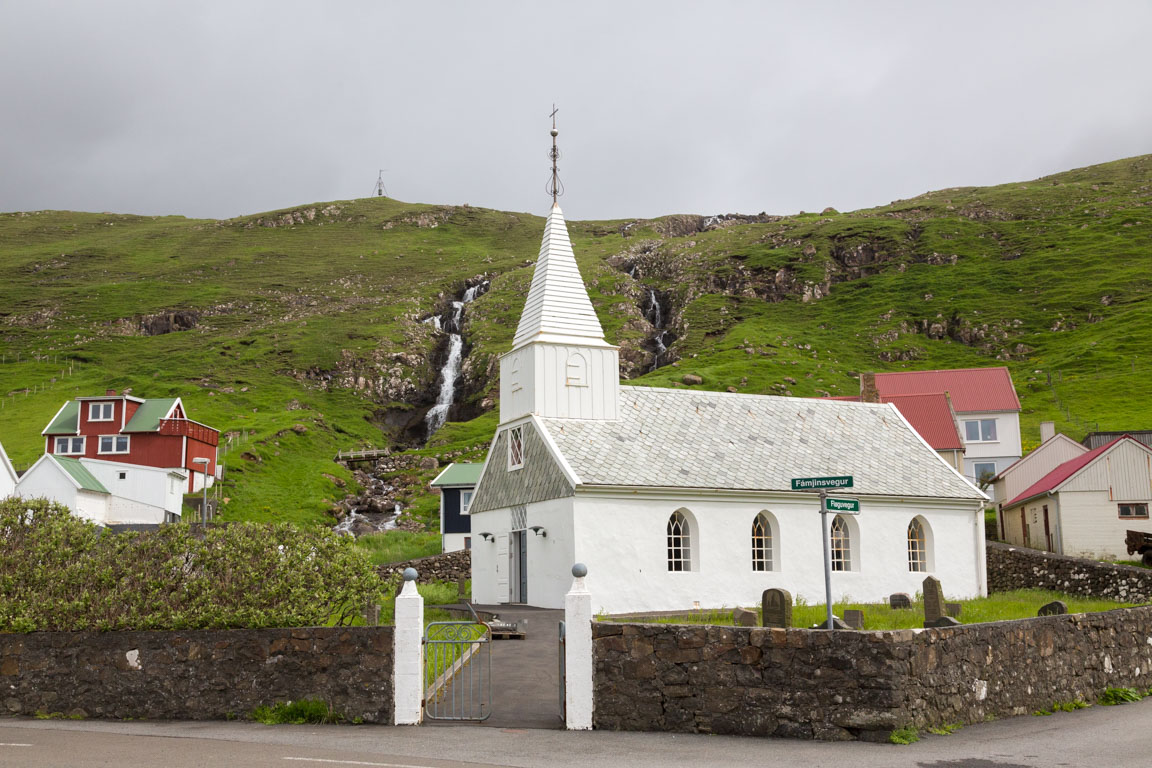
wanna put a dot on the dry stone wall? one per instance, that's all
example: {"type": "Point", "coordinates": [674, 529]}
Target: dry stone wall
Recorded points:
{"type": "Point", "coordinates": [448, 566]}
{"type": "Point", "coordinates": [1022, 568]}
{"type": "Point", "coordinates": [846, 684]}
{"type": "Point", "coordinates": [197, 674]}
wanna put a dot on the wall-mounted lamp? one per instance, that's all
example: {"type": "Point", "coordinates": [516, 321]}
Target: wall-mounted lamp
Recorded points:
{"type": "Point", "coordinates": [487, 536]}
{"type": "Point", "coordinates": [539, 530]}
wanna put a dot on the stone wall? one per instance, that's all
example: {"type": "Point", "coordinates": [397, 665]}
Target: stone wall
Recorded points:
{"type": "Point", "coordinates": [1011, 567]}
{"type": "Point", "coordinates": [847, 684]}
{"type": "Point", "coordinates": [196, 674]}
{"type": "Point", "coordinates": [449, 566]}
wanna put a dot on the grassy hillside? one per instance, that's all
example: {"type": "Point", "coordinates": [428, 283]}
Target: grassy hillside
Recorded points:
{"type": "Point", "coordinates": [313, 316]}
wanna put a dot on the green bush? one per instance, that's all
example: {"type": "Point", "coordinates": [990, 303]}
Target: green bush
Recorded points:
{"type": "Point", "coordinates": [297, 713]}
{"type": "Point", "coordinates": [905, 735]}
{"type": "Point", "coordinates": [1119, 696]}
{"type": "Point", "coordinates": [61, 573]}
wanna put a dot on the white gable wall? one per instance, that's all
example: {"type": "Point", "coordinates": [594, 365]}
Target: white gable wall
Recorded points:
{"type": "Point", "coordinates": [550, 557]}
{"type": "Point", "coordinates": [1030, 469]}
{"type": "Point", "coordinates": [143, 496]}
{"type": "Point", "coordinates": [545, 379]}
{"type": "Point", "coordinates": [46, 480]}
{"type": "Point", "coordinates": [7, 475]}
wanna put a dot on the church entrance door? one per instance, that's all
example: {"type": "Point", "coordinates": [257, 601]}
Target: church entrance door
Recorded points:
{"type": "Point", "coordinates": [518, 567]}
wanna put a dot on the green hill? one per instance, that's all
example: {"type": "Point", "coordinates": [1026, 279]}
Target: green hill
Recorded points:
{"type": "Point", "coordinates": [312, 317]}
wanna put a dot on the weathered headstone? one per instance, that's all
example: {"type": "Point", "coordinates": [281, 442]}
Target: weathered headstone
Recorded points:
{"type": "Point", "coordinates": [854, 618]}
{"type": "Point", "coordinates": [776, 605]}
{"type": "Point", "coordinates": [837, 623]}
{"type": "Point", "coordinates": [943, 621]}
{"type": "Point", "coordinates": [899, 601]}
{"type": "Point", "coordinates": [953, 609]}
{"type": "Point", "coordinates": [743, 618]}
{"type": "Point", "coordinates": [1054, 608]}
{"type": "Point", "coordinates": [933, 600]}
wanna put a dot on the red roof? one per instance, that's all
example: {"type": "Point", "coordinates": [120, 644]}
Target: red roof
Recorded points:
{"type": "Point", "coordinates": [931, 416]}
{"type": "Point", "coordinates": [1064, 471]}
{"type": "Point", "coordinates": [971, 389]}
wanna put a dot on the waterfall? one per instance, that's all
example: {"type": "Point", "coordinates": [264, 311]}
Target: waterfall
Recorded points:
{"type": "Point", "coordinates": [652, 312]}
{"type": "Point", "coordinates": [452, 323]}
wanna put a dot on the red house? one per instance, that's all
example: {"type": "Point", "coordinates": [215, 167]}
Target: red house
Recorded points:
{"type": "Point", "coordinates": [154, 433]}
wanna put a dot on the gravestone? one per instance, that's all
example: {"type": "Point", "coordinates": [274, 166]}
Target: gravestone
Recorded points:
{"type": "Point", "coordinates": [743, 618]}
{"type": "Point", "coordinates": [953, 609]}
{"type": "Point", "coordinates": [933, 600]}
{"type": "Point", "coordinates": [1054, 608]}
{"type": "Point", "coordinates": [837, 623]}
{"type": "Point", "coordinates": [899, 601]}
{"type": "Point", "coordinates": [943, 621]}
{"type": "Point", "coordinates": [776, 605]}
{"type": "Point", "coordinates": [854, 618]}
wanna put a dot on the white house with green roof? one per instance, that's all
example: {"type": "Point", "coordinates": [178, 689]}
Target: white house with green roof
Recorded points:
{"type": "Point", "coordinates": [456, 485]}
{"type": "Point", "coordinates": [65, 480]}
{"type": "Point", "coordinates": [677, 498]}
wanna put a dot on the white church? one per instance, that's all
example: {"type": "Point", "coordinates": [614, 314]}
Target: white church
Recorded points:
{"type": "Point", "coordinates": [678, 498]}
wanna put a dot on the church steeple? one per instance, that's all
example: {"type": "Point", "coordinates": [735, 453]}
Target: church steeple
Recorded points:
{"type": "Point", "coordinates": [560, 365]}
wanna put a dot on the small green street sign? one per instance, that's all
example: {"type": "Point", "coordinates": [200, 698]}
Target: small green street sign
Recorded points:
{"type": "Point", "coordinates": [821, 483]}
{"type": "Point", "coordinates": [843, 506]}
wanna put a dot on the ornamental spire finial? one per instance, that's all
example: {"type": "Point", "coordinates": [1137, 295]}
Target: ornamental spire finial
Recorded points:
{"type": "Point", "coordinates": [554, 187]}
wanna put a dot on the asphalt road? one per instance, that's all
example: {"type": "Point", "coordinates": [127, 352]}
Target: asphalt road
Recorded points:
{"type": "Point", "coordinates": [1104, 736]}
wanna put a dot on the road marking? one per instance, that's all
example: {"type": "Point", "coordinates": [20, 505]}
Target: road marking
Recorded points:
{"type": "Point", "coordinates": [354, 762]}
{"type": "Point", "coordinates": [14, 745]}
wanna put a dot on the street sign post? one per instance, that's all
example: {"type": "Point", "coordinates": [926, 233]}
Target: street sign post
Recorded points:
{"type": "Point", "coordinates": [835, 506]}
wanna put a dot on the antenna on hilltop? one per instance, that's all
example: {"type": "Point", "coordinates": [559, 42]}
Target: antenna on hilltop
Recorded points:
{"type": "Point", "coordinates": [380, 190]}
{"type": "Point", "coordinates": [554, 187]}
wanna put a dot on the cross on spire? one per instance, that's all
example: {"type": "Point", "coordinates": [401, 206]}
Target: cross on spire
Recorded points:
{"type": "Point", "coordinates": [554, 187]}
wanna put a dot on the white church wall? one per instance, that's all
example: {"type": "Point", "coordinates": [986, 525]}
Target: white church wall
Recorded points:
{"type": "Point", "coordinates": [549, 560]}
{"type": "Point", "coordinates": [560, 380]}
{"type": "Point", "coordinates": [623, 542]}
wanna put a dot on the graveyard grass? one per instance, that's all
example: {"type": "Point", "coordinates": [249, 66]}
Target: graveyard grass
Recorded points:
{"type": "Point", "coordinates": [1001, 606]}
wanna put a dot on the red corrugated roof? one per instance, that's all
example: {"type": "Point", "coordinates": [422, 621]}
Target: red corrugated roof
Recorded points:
{"type": "Point", "coordinates": [931, 416]}
{"type": "Point", "coordinates": [971, 389]}
{"type": "Point", "coordinates": [1064, 471]}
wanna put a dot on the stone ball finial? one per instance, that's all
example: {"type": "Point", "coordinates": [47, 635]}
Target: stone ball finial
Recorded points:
{"type": "Point", "coordinates": [555, 132]}
{"type": "Point", "coordinates": [410, 574]}
{"type": "Point", "coordinates": [579, 570]}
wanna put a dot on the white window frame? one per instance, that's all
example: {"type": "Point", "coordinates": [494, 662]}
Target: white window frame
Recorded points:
{"type": "Point", "coordinates": [109, 407]}
{"type": "Point", "coordinates": [115, 444]}
{"type": "Point", "coordinates": [71, 445]}
{"type": "Point", "coordinates": [840, 535]}
{"type": "Point", "coordinates": [1132, 505]}
{"type": "Point", "coordinates": [917, 547]}
{"type": "Point", "coordinates": [976, 472]}
{"type": "Point", "coordinates": [980, 431]}
{"type": "Point", "coordinates": [516, 447]}
{"type": "Point", "coordinates": [679, 535]}
{"type": "Point", "coordinates": [576, 371]}
{"type": "Point", "coordinates": [762, 543]}
{"type": "Point", "coordinates": [465, 500]}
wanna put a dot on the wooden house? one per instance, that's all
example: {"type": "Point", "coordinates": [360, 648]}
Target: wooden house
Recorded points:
{"type": "Point", "coordinates": [456, 484]}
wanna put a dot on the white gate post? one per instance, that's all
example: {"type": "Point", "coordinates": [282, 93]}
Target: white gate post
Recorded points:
{"type": "Point", "coordinates": [408, 654]}
{"type": "Point", "coordinates": [578, 653]}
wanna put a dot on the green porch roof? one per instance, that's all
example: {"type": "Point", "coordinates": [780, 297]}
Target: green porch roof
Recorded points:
{"type": "Point", "coordinates": [458, 474]}
{"type": "Point", "coordinates": [148, 415]}
{"type": "Point", "coordinates": [67, 421]}
{"type": "Point", "coordinates": [80, 474]}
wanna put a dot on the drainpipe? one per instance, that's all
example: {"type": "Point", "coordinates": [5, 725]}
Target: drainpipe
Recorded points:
{"type": "Point", "coordinates": [1059, 526]}
{"type": "Point", "coordinates": [981, 553]}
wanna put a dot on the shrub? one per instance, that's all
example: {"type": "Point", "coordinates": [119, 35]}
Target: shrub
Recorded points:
{"type": "Point", "coordinates": [297, 713]}
{"type": "Point", "coordinates": [61, 573]}
{"type": "Point", "coordinates": [905, 735]}
{"type": "Point", "coordinates": [1119, 696]}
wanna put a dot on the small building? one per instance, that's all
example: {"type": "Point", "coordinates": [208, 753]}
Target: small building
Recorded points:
{"type": "Point", "coordinates": [1097, 439]}
{"type": "Point", "coordinates": [1085, 505]}
{"type": "Point", "coordinates": [985, 404]}
{"type": "Point", "coordinates": [8, 476]}
{"type": "Point", "coordinates": [676, 498]}
{"type": "Point", "coordinates": [154, 432]}
{"type": "Point", "coordinates": [456, 484]}
{"type": "Point", "coordinates": [107, 492]}
{"type": "Point", "coordinates": [1055, 449]}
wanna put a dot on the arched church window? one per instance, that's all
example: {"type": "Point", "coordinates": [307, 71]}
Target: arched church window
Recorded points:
{"type": "Point", "coordinates": [761, 543]}
{"type": "Point", "coordinates": [577, 370]}
{"type": "Point", "coordinates": [917, 546]}
{"type": "Point", "coordinates": [679, 543]}
{"type": "Point", "coordinates": [841, 545]}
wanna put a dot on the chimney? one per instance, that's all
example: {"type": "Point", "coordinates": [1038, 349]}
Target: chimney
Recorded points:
{"type": "Point", "coordinates": [868, 391]}
{"type": "Point", "coordinates": [110, 392]}
{"type": "Point", "coordinates": [1047, 431]}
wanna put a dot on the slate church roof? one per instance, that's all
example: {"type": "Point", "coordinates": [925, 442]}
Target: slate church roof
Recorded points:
{"type": "Point", "coordinates": [674, 438]}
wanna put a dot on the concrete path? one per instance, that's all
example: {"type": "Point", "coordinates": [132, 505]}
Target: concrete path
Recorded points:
{"type": "Point", "coordinates": [525, 673]}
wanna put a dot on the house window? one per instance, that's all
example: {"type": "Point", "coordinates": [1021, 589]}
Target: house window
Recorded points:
{"type": "Point", "coordinates": [679, 543]}
{"type": "Point", "coordinates": [70, 445]}
{"type": "Point", "coordinates": [577, 370]}
{"type": "Point", "coordinates": [516, 448]}
{"type": "Point", "coordinates": [841, 545]}
{"type": "Point", "coordinates": [917, 547]}
{"type": "Point", "coordinates": [761, 543]}
{"type": "Point", "coordinates": [465, 501]}
{"type": "Point", "coordinates": [1133, 511]}
{"type": "Point", "coordinates": [980, 431]}
{"type": "Point", "coordinates": [122, 475]}
{"type": "Point", "coordinates": [984, 471]}
{"type": "Point", "coordinates": [101, 411]}
{"type": "Point", "coordinates": [114, 444]}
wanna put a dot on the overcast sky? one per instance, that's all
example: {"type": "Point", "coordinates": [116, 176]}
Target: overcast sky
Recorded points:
{"type": "Point", "coordinates": [217, 109]}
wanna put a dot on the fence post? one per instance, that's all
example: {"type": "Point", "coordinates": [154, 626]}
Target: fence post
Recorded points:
{"type": "Point", "coordinates": [578, 653]}
{"type": "Point", "coordinates": [408, 654]}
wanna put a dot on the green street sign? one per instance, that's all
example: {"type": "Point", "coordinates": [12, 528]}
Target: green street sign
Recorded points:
{"type": "Point", "coordinates": [821, 483]}
{"type": "Point", "coordinates": [843, 506]}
